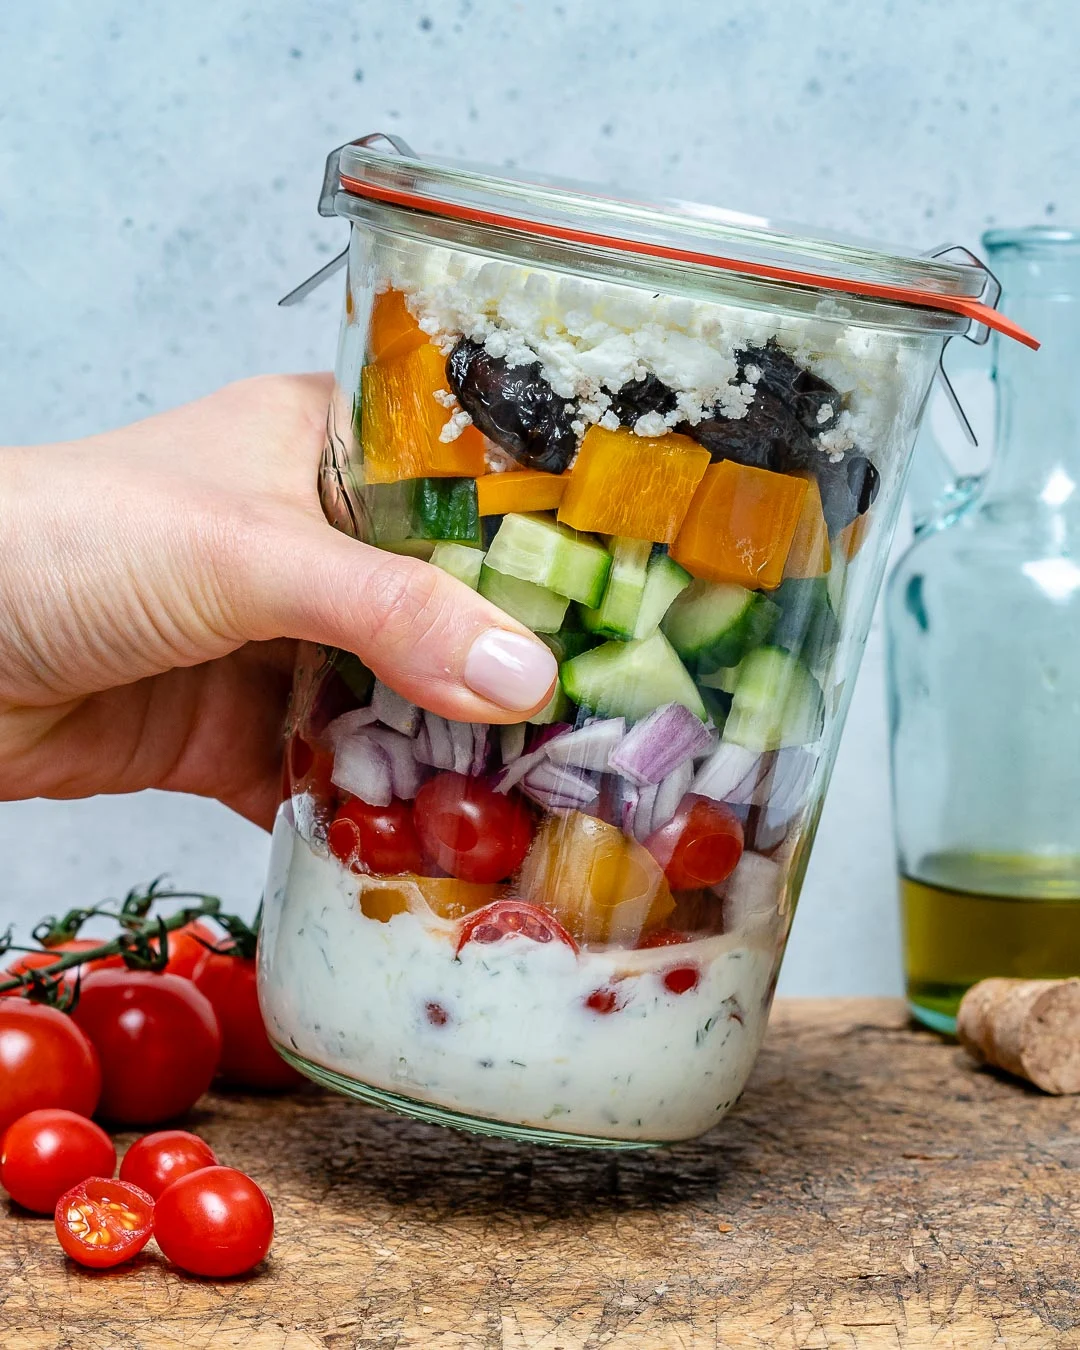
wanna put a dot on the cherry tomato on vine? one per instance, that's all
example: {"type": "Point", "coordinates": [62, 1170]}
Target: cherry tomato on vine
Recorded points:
{"type": "Point", "coordinates": [47, 1152]}
{"type": "Point", "coordinates": [700, 846]}
{"type": "Point", "coordinates": [187, 946]}
{"type": "Point", "coordinates": [505, 918]}
{"type": "Point", "coordinates": [383, 838]}
{"type": "Point", "coordinates": [470, 830]}
{"type": "Point", "coordinates": [216, 1222]}
{"type": "Point", "coordinates": [247, 1058]}
{"type": "Point", "coordinates": [38, 960]}
{"type": "Point", "coordinates": [158, 1040]}
{"type": "Point", "coordinates": [45, 1060]}
{"type": "Point", "coordinates": [157, 1160]}
{"type": "Point", "coordinates": [101, 1222]}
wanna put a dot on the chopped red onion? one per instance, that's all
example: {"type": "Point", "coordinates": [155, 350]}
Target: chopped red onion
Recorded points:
{"type": "Point", "coordinates": [660, 743]}
{"type": "Point", "coordinates": [461, 738]}
{"type": "Point", "coordinates": [479, 748]}
{"type": "Point", "coordinates": [439, 751]}
{"type": "Point", "coordinates": [363, 768]}
{"type": "Point", "coordinates": [670, 793]}
{"type": "Point", "coordinates": [516, 771]}
{"type": "Point", "coordinates": [511, 741]}
{"type": "Point", "coordinates": [752, 893]}
{"type": "Point", "coordinates": [394, 711]}
{"type": "Point", "coordinates": [557, 787]}
{"type": "Point", "coordinates": [784, 787]}
{"type": "Point", "coordinates": [406, 774]}
{"type": "Point", "coordinates": [590, 746]}
{"type": "Point", "coordinates": [730, 774]}
{"type": "Point", "coordinates": [348, 723]}
{"type": "Point", "coordinates": [641, 825]}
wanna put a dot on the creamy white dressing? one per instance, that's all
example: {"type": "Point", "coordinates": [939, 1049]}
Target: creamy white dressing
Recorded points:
{"type": "Point", "coordinates": [367, 1000]}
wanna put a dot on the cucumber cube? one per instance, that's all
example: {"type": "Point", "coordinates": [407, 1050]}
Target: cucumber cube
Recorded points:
{"type": "Point", "coordinates": [713, 624]}
{"type": "Point", "coordinates": [618, 611]}
{"type": "Point", "coordinates": [535, 606]}
{"type": "Point", "coordinates": [664, 581]}
{"type": "Point", "coordinates": [536, 548]}
{"type": "Point", "coordinates": [460, 561]}
{"type": "Point", "coordinates": [776, 703]}
{"type": "Point", "coordinates": [630, 679]}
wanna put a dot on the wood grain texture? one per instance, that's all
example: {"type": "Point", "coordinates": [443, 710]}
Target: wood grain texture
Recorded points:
{"type": "Point", "coordinates": [873, 1189]}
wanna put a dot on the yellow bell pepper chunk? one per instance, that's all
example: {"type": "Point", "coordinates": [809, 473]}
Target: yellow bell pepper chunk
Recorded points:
{"type": "Point", "coordinates": [520, 491]}
{"type": "Point", "coordinates": [639, 487]}
{"type": "Point", "coordinates": [809, 555]}
{"type": "Point", "coordinates": [400, 421]}
{"type": "Point", "coordinates": [599, 884]}
{"type": "Point", "coordinates": [740, 525]}
{"type": "Point", "coordinates": [447, 897]}
{"type": "Point", "coordinates": [393, 330]}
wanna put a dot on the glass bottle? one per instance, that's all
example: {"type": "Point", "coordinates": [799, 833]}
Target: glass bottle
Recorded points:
{"type": "Point", "coordinates": [983, 622]}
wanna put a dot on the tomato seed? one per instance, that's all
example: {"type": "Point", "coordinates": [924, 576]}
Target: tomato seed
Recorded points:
{"type": "Point", "coordinates": [603, 1001]}
{"type": "Point", "coordinates": [681, 980]}
{"type": "Point", "coordinates": [437, 1014]}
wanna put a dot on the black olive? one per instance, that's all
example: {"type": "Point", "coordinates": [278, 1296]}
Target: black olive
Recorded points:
{"type": "Point", "coordinates": [848, 489]}
{"type": "Point", "coordinates": [805, 394]}
{"type": "Point", "coordinates": [639, 397]}
{"type": "Point", "coordinates": [514, 406]}
{"type": "Point", "coordinates": [768, 436]}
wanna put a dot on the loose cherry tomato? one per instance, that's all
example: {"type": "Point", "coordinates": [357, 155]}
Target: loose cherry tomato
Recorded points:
{"type": "Point", "coordinates": [157, 1160]}
{"type": "Point", "coordinates": [247, 1058]}
{"type": "Point", "coordinates": [101, 1222]}
{"type": "Point", "coordinates": [45, 1060]}
{"type": "Point", "coordinates": [700, 846]}
{"type": "Point", "coordinates": [187, 947]}
{"type": "Point", "coordinates": [47, 1152]}
{"type": "Point", "coordinates": [38, 960]}
{"type": "Point", "coordinates": [158, 1040]}
{"type": "Point", "coordinates": [469, 830]}
{"type": "Point", "coordinates": [214, 1222]}
{"type": "Point", "coordinates": [513, 918]}
{"type": "Point", "coordinates": [382, 838]}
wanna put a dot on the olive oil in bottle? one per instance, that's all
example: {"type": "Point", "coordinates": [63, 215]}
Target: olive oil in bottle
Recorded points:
{"type": "Point", "coordinates": [967, 916]}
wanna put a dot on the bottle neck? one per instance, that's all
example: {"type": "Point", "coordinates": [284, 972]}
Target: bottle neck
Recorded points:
{"type": "Point", "coordinates": [1037, 439]}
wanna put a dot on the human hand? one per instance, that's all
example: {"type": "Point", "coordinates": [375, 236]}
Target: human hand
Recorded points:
{"type": "Point", "coordinates": [152, 580]}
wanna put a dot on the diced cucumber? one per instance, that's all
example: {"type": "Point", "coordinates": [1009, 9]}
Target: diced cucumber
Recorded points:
{"type": "Point", "coordinates": [536, 607]}
{"type": "Point", "coordinates": [536, 548]}
{"type": "Point", "coordinates": [723, 679]}
{"type": "Point", "coordinates": [569, 642]}
{"type": "Point", "coordinates": [617, 613]}
{"type": "Point", "coordinates": [460, 561]}
{"type": "Point", "coordinates": [664, 580]}
{"type": "Point", "coordinates": [776, 703]}
{"type": "Point", "coordinates": [630, 679]}
{"type": "Point", "coordinates": [807, 625]}
{"type": "Point", "coordinates": [445, 508]}
{"type": "Point", "coordinates": [558, 708]}
{"type": "Point", "coordinates": [713, 624]}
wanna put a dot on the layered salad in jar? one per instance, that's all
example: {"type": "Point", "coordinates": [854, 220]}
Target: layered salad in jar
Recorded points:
{"type": "Point", "coordinates": [570, 927]}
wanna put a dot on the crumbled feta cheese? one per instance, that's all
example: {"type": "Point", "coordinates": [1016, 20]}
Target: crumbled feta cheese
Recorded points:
{"type": "Point", "coordinates": [651, 424]}
{"type": "Point", "coordinates": [455, 426]}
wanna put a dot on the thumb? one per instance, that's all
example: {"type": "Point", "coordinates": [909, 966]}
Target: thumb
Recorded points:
{"type": "Point", "coordinates": [420, 630]}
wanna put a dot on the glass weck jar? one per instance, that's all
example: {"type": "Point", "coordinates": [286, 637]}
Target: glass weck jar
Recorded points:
{"type": "Point", "coordinates": [983, 621]}
{"type": "Point", "coordinates": [670, 440]}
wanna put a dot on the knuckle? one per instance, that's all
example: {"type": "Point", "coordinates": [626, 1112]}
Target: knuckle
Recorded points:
{"type": "Point", "coordinates": [405, 600]}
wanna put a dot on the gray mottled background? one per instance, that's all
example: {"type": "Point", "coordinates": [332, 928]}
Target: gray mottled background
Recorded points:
{"type": "Point", "coordinates": [159, 165]}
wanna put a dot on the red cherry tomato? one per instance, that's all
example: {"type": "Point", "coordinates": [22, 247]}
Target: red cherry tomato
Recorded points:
{"type": "Point", "coordinates": [662, 937]}
{"type": "Point", "coordinates": [38, 960]}
{"type": "Point", "coordinates": [158, 1040]}
{"type": "Point", "coordinates": [45, 1060]}
{"type": "Point", "coordinates": [215, 1222]}
{"type": "Point", "coordinates": [509, 918]}
{"type": "Point", "coordinates": [247, 1057]}
{"type": "Point", "coordinates": [469, 830]}
{"type": "Point", "coordinates": [681, 979]}
{"type": "Point", "coordinates": [382, 838]}
{"type": "Point", "coordinates": [157, 1160]}
{"type": "Point", "coordinates": [700, 846]}
{"type": "Point", "coordinates": [187, 947]}
{"type": "Point", "coordinates": [47, 1152]}
{"type": "Point", "coordinates": [100, 1222]}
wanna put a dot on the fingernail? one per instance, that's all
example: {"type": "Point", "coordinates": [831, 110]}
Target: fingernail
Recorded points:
{"type": "Point", "coordinates": [514, 671]}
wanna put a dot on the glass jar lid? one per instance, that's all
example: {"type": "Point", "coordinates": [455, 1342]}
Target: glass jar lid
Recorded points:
{"type": "Point", "coordinates": [382, 169]}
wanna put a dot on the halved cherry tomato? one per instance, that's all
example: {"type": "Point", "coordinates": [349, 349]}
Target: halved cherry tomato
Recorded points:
{"type": "Point", "coordinates": [215, 1222]}
{"type": "Point", "coordinates": [681, 979]}
{"type": "Point", "coordinates": [470, 830]}
{"type": "Point", "coordinates": [157, 1160]}
{"type": "Point", "coordinates": [382, 838]}
{"type": "Point", "coordinates": [158, 1039]}
{"type": "Point", "coordinates": [247, 1058]}
{"type": "Point", "coordinates": [47, 1152]}
{"type": "Point", "coordinates": [101, 1222]}
{"type": "Point", "coordinates": [700, 846]}
{"type": "Point", "coordinates": [513, 918]}
{"type": "Point", "coordinates": [45, 1060]}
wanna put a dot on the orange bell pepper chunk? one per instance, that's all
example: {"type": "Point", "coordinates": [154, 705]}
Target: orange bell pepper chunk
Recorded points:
{"type": "Point", "coordinates": [393, 330]}
{"type": "Point", "coordinates": [400, 421]}
{"type": "Point", "coordinates": [639, 487]}
{"type": "Point", "coordinates": [520, 490]}
{"type": "Point", "coordinates": [447, 897]}
{"type": "Point", "coordinates": [600, 885]}
{"type": "Point", "coordinates": [853, 536]}
{"type": "Point", "coordinates": [809, 555]}
{"type": "Point", "coordinates": [740, 525]}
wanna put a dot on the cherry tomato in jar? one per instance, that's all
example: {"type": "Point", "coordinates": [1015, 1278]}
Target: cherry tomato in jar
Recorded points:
{"type": "Point", "coordinates": [307, 768]}
{"type": "Point", "coordinates": [157, 1038]}
{"type": "Point", "coordinates": [470, 830]}
{"type": "Point", "coordinates": [45, 1060]}
{"type": "Point", "coordinates": [47, 1152]}
{"type": "Point", "coordinates": [157, 1160]}
{"type": "Point", "coordinates": [513, 918]}
{"type": "Point", "coordinates": [101, 1223]}
{"type": "Point", "coordinates": [382, 838]}
{"type": "Point", "coordinates": [247, 1058]}
{"type": "Point", "coordinates": [700, 846]}
{"type": "Point", "coordinates": [662, 937]}
{"type": "Point", "coordinates": [215, 1222]}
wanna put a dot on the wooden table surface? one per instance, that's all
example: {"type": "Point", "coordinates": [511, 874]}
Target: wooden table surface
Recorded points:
{"type": "Point", "coordinates": [872, 1189]}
